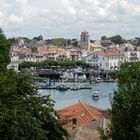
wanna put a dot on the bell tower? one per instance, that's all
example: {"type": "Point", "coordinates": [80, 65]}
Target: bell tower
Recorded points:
{"type": "Point", "coordinates": [85, 41]}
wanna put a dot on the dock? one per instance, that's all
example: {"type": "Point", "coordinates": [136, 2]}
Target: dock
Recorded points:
{"type": "Point", "coordinates": [56, 88]}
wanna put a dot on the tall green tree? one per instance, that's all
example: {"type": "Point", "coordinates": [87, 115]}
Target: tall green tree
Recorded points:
{"type": "Point", "coordinates": [126, 103]}
{"type": "Point", "coordinates": [4, 51]}
{"type": "Point", "coordinates": [23, 115]}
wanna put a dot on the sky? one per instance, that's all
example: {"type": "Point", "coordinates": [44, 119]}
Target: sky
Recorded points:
{"type": "Point", "coordinates": [68, 18]}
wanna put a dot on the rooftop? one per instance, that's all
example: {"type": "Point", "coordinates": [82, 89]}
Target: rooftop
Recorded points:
{"type": "Point", "coordinates": [82, 112]}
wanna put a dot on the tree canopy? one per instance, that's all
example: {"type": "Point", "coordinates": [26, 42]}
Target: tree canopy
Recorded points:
{"type": "Point", "coordinates": [23, 115]}
{"type": "Point", "coordinates": [58, 41]}
{"type": "Point", "coordinates": [126, 103]}
{"type": "Point", "coordinates": [40, 37]}
{"type": "Point", "coordinates": [117, 39]}
{"type": "Point", "coordinates": [46, 63]}
{"type": "Point", "coordinates": [4, 51]}
{"type": "Point", "coordinates": [103, 38]}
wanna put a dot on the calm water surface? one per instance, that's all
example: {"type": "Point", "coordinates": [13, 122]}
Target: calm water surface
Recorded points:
{"type": "Point", "coordinates": [65, 98]}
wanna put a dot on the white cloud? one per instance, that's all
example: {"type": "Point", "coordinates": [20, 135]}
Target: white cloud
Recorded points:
{"type": "Point", "coordinates": [15, 19]}
{"type": "Point", "coordinates": [67, 18]}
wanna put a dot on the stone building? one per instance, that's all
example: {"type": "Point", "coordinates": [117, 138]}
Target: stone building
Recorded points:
{"type": "Point", "coordinates": [85, 41]}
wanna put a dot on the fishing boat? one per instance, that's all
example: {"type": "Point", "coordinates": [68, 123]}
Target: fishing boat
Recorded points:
{"type": "Point", "coordinates": [95, 95]}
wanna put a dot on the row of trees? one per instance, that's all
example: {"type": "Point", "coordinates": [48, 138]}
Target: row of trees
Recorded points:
{"type": "Point", "coordinates": [46, 63]}
{"type": "Point", "coordinates": [24, 116]}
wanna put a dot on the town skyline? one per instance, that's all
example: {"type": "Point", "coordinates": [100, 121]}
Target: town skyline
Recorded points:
{"type": "Point", "coordinates": [68, 19]}
{"type": "Point", "coordinates": [67, 37]}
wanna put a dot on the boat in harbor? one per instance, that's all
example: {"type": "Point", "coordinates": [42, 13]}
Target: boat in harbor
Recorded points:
{"type": "Point", "coordinates": [85, 87]}
{"type": "Point", "coordinates": [98, 80]}
{"type": "Point", "coordinates": [95, 95]}
{"type": "Point", "coordinates": [69, 76]}
{"type": "Point", "coordinates": [63, 87]}
{"type": "Point", "coordinates": [75, 88]}
{"type": "Point", "coordinates": [50, 84]}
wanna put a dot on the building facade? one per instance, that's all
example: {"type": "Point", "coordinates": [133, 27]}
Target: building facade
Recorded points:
{"type": "Point", "coordinates": [104, 60]}
{"type": "Point", "coordinates": [14, 64]}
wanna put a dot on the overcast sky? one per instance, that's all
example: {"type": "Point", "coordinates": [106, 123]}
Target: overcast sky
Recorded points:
{"type": "Point", "coordinates": [67, 18]}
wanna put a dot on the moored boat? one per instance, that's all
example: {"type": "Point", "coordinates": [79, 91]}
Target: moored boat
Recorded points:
{"type": "Point", "coordinates": [63, 88]}
{"type": "Point", "coordinates": [75, 88]}
{"type": "Point", "coordinates": [95, 95]}
{"type": "Point", "coordinates": [98, 80]}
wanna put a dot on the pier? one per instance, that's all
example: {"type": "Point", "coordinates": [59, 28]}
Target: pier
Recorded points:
{"type": "Point", "coordinates": [70, 88]}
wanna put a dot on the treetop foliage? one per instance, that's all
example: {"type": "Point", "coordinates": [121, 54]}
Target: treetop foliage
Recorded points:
{"type": "Point", "coordinates": [4, 51]}
{"type": "Point", "coordinates": [23, 114]}
{"type": "Point", "coordinates": [126, 103]}
{"type": "Point", "coordinates": [52, 63]}
{"type": "Point", "coordinates": [117, 39]}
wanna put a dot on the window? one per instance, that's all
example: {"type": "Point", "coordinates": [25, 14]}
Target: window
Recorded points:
{"type": "Point", "coordinates": [84, 39]}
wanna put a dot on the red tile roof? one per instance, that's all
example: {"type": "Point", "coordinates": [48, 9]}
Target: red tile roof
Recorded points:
{"type": "Point", "coordinates": [84, 114]}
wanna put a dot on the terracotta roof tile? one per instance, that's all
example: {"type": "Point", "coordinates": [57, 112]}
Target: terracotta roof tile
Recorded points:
{"type": "Point", "coordinates": [84, 114]}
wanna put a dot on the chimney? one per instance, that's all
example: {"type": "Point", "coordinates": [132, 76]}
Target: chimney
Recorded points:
{"type": "Point", "coordinates": [74, 123]}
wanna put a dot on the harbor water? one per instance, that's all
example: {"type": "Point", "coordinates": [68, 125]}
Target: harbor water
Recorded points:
{"type": "Point", "coordinates": [69, 97]}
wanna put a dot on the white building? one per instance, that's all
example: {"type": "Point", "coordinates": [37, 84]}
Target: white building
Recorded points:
{"type": "Point", "coordinates": [130, 54]}
{"type": "Point", "coordinates": [14, 64]}
{"type": "Point", "coordinates": [104, 60]}
{"type": "Point", "coordinates": [73, 54]}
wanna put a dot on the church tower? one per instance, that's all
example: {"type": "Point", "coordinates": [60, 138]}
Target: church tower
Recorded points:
{"type": "Point", "coordinates": [85, 41]}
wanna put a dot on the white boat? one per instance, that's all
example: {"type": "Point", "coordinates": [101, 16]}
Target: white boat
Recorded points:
{"type": "Point", "coordinates": [67, 75]}
{"type": "Point", "coordinates": [95, 95]}
{"type": "Point", "coordinates": [98, 80]}
{"type": "Point", "coordinates": [82, 77]}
